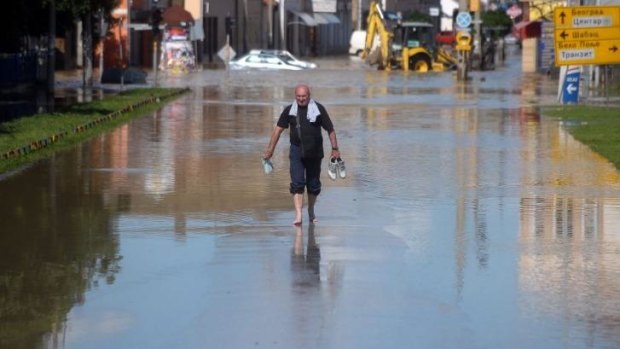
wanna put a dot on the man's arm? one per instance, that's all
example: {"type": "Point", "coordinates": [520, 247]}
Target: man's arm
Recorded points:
{"type": "Point", "coordinates": [329, 127]}
{"type": "Point", "coordinates": [334, 141]}
{"type": "Point", "coordinates": [275, 136]}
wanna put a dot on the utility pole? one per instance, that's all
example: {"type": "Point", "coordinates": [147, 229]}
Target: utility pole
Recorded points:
{"type": "Point", "coordinates": [51, 45]}
{"type": "Point", "coordinates": [236, 36]}
{"type": "Point", "coordinates": [282, 24]}
{"type": "Point", "coordinates": [156, 18]}
{"type": "Point", "coordinates": [462, 54]}
{"type": "Point", "coordinates": [87, 52]}
{"type": "Point", "coordinates": [359, 15]}
{"type": "Point", "coordinates": [270, 23]}
{"type": "Point", "coordinates": [245, 26]}
{"type": "Point", "coordinates": [128, 21]}
{"type": "Point", "coordinates": [120, 51]}
{"type": "Point", "coordinates": [474, 6]}
{"type": "Point", "coordinates": [102, 31]}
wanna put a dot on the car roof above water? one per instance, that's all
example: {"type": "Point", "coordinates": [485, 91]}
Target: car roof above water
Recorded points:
{"type": "Point", "coordinates": [415, 24]}
{"type": "Point", "coordinates": [273, 52]}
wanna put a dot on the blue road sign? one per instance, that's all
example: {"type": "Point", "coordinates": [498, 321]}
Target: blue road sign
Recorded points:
{"type": "Point", "coordinates": [570, 88]}
{"type": "Point", "coordinates": [463, 20]}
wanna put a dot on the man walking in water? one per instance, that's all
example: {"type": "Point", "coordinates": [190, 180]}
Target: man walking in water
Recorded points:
{"type": "Point", "coordinates": [305, 117]}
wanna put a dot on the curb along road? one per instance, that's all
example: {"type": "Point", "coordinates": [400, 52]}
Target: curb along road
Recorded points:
{"type": "Point", "coordinates": [43, 143]}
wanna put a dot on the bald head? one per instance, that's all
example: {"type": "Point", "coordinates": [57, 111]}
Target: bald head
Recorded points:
{"type": "Point", "coordinates": [302, 95]}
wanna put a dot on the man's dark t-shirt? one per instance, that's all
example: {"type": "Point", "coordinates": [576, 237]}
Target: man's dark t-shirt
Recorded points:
{"type": "Point", "coordinates": [311, 138]}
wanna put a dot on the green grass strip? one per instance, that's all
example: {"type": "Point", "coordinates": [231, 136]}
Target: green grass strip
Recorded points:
{"type": "Point", "coordinates": [598, 127]}
{"type": "Point", "coordinates": [32, 138]}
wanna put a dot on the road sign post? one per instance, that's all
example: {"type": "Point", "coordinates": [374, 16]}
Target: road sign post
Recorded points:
{"type": "Point", "coordinates": [463, 21]}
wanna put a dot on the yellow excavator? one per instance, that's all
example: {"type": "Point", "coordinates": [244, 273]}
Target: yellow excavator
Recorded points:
{"type": "Point", "coordinates": [405, 45]}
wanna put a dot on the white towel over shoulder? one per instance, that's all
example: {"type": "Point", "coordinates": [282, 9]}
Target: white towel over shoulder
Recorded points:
{"type": "Point", "coordinates": [313, 110]}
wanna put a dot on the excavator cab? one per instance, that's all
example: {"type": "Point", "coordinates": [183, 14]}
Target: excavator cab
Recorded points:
{"type": "Point", "coordinates": [413, 46]}
{"type": "Point", "coordinates": [419, 52]}
{"type": "Point", "coordinates": [413, 34]}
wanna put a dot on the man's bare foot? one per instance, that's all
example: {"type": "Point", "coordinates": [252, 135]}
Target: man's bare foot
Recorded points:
{"type": "Point", "coordinates": [298, 200]}
{"type": "Point", "coordinates": [297, 221]}
{"type": "Point", "coordinates": [311, 214]}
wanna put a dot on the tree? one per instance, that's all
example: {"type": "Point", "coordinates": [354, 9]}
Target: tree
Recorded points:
{"type": "Point", "coordinates": [19, 20]}
{"type": "Point", "coordinates": [417, 16]}
{"type": "Point", "coordinates": [30, 19]}
{"type": "Point", "coordinates": [496, 19]}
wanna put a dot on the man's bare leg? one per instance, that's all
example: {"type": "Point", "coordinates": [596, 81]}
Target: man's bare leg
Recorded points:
{"type": "Point", "coordinates": [311, 202]}
{"type": "Point", "coordinates": [298, 200]}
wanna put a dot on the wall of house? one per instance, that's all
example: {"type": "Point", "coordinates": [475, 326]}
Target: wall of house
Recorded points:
{"type": "Point", "coordinates": [252, 31]}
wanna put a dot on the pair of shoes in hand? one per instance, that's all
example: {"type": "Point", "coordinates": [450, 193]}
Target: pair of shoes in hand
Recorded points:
{"type": "Point", "coordinates": [336, 168]}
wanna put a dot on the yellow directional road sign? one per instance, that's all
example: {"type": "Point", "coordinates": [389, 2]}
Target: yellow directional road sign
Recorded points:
{"type": "Point", "coordinates": [586, 17]}
{"type": "Point", "coordinates": [587, 35]}
{"type": "Point", "coordinates": [588, 52]}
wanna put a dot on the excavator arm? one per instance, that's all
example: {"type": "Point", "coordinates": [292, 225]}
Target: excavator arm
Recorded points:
{"type": "Point", "coordinates": [376, 27]}
{"type": "Point", "coordinates": [404, 56]}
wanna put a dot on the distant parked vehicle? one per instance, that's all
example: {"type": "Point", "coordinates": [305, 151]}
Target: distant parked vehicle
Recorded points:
{"type": "Point", "coordinates": [287, 57]}
{"type": "Point", "coordinates": [257, 60]}
{"type": "Point", "coordinates": [445, 37]}
{"type": "Point", "coordinates": [357, 42]}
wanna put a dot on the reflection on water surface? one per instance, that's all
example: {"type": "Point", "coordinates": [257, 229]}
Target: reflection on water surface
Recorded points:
{"type": "Point", "coordinates": [467, 220]}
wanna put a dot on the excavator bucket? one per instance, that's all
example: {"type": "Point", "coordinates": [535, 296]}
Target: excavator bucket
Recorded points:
{"type": "Point", "coordinates": [438, 67]}
{"type": "Point", "coordinates": [374, 57]}
{"type": "Point", "coordinates": [445, 59]}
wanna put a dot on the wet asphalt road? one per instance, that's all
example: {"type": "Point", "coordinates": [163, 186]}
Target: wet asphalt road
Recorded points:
{"type": "Point", "coordinates": [467, 220]}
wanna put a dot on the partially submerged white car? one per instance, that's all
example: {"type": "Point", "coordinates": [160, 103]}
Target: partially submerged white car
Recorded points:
{"type": "Point", "coordinates": [270, 59]}
{"type": "Point", "coordinates": [288, 58]}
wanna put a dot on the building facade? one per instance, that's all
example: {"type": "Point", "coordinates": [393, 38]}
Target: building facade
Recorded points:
{"type": "Point", "coordinates": [304, 27]}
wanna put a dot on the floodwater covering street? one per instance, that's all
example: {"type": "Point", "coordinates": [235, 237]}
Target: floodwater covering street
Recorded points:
{"type": "Point", "coordinates": [467, 220]}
